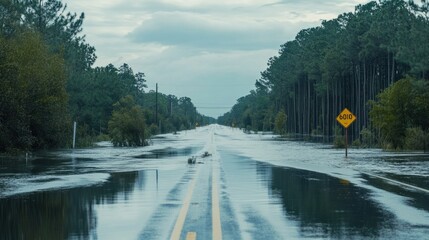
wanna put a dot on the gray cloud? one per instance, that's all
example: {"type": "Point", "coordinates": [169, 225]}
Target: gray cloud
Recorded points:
{"type": "Point", "coordinates": [206, 32]}
{"type": "Point", "coordinates": [211, 50]}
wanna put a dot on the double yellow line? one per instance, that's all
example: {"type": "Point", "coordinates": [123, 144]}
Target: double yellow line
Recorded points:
{"type": "Point", "coordinates": [216, 224]}
{"type": "Point", "coordinates": [217, 228]}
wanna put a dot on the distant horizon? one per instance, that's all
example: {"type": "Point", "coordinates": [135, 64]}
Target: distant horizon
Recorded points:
{"type": "Point", "coordinates": [211, 52]}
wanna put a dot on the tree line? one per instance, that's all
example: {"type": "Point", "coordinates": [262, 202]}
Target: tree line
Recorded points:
{"type": "Point", "coordinates": [353, 61]}
{"type": "Point", "coordinates": [48, 80]}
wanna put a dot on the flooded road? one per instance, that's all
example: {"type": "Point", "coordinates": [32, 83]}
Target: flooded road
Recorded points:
{"type": "Point", "coordinates": [251, 187]}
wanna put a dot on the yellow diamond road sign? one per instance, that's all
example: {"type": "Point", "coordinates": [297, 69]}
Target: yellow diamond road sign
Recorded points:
{"type": "Point", "coordinates": [346, 118]}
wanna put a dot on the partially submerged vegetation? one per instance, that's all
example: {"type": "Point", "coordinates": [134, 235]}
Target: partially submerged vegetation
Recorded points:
{"type": "Point", "coordinates": [47, 81]}
{"type": "Point", "coordinates": [400, 115]}
{"type": "Point", "coordinates": [373, 61]}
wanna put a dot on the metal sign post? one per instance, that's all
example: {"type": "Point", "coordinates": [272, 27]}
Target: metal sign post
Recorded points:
{"type": "Point", "coordinates": [74, 134]}
{"type": "Point", "coordinates": [346, 143]}
{"type": "Point", "coordinates": [345, 118]}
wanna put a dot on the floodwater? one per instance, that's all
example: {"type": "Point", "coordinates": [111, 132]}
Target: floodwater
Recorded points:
{"type": "Point", "coordinates": [313, 205]}
{"type": "Point", "coordinates": [268, 189]}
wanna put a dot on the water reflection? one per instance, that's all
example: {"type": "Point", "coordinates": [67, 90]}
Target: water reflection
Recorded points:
{"type": "Point", "coordinates": [169, 152]}
{"type": "Point", "coordinates": [328, 206]}
{"type": "Point", "coordinates": [63, 214]}
{"type": "Point", "coordinates": [38, 165]}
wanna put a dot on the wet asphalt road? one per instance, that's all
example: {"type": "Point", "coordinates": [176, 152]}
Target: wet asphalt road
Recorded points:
{"type": "Point", "coordinates": [153, 193]}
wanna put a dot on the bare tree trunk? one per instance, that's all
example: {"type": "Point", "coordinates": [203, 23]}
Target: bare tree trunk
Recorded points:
{"type": "Point", "coordinates": [308, 105]}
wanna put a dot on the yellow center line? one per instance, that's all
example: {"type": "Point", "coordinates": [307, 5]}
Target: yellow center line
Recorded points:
{"type": "Point", "coordinates": [217, 228]}
{"type": "Point", "coordinates": [191, 236]}
{"type": "Point", "coordinates": [175, 235]}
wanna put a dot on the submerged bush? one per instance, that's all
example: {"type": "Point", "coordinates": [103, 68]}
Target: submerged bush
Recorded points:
{"type": "Point", "coordinates": [415, 139]}
{"type": "Point", "coordinates": [368, 138]}
{"type": "Point", "coordinates": [127, 124]}
{"type": "Point", "coordinates": [339, 140]}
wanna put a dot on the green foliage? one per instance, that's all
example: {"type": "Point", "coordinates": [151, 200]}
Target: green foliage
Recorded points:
{"type": "Point", "coordinates": [368, 138]}
{"type": "Point", "coordinates": [399, 109]}
{"type": "Point", "coordinates": [92, 99]}
{"type": "Point", "coordinates": [416, 139]}
{"type": "Point", "coordinates": [33, 106]}
{"type": "Point", "coordinates": [280, 122]}
{"type": "Point", "coordinates": [357, 143]}
{"type": "Point", "coordinates": [127, 125]}
{"type": "Point", "coordinates": [153, 129]}
{"type": "Point", "coordinates": [46, 75]}
{"type": "Point", "coordinates": [339, 139]}
{"type": "Point", "coordinates": [84, 136]}
{"type": "Point", "coordinates": [391, 113]}
{"type": "Point", "coordinates": [344, 62]}
{"type": "Point", "coordinates": [39, 46]}
{"type": "Point", "coordinates": [252, 112]}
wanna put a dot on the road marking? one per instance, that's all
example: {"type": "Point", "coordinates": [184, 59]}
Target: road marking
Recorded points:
{"type": "Point", "coordinates": [398, 182]}
{"type": "Point", "coordinates": [217, 228]}
{"type": "Point", "coordinates": [175, 235]}
{"type": "Point", "coordinates": [191, 236]}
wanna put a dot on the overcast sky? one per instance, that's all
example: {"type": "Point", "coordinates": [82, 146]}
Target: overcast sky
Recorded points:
{"type": "Point", "coordinates": [209, 50]}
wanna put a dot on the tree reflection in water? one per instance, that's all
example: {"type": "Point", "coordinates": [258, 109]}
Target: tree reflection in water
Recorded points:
{"type": "Point", "coordinates": [62, 214]}
{"type": "Point", "coordinates": [326, 206]}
